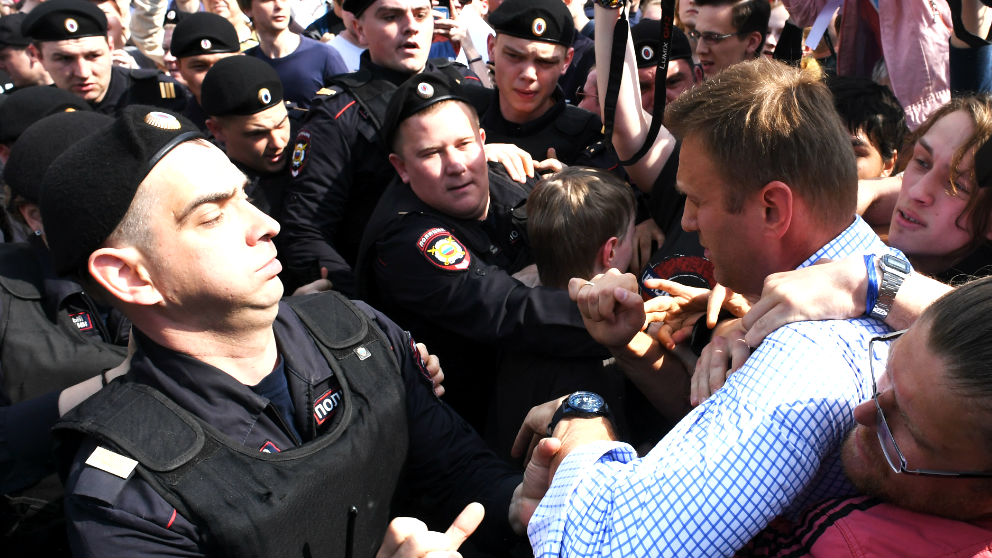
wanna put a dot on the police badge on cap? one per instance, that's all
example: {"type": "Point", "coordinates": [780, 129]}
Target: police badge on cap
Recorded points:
{"type": "Point", "coordinates": [60, 20]}
{"type": "Point", "coordinates": [539, 26]}
{"type": "Point", "coordinates": [240, 85]}
{"type": "Point", "coordinates": [71, 25]}
{"type": "Point", "coordinates": [425, 90]}
{"type": "Point", "coordinates": [547, 21]}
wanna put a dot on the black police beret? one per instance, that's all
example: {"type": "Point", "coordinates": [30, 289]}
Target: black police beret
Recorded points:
{"type": "Point", "coordinates": [537, 20]}
{"type": "Point", "coordinates": [26, 106]}
{"type": "Point", "coordinates": [42, 143]}
{"type": "Point", "coordinates": [59, 20]}
{"type": "Point", "coordinates": [356, 6]}
{"type": "Point", "coordinates": [174, 16]}
{"type": "Point", "coordinates": [88, 189]}
{"type": "Point", "coordinates": [240, 85]}
{"type": "Point", "coordinates": [416, 94]}
{"type": "Point", "coordinates": [203, 33]}
{"type": "Point", "coordinates": [648, 43]}
{"type": "Point", "coordinates": [10, 31]}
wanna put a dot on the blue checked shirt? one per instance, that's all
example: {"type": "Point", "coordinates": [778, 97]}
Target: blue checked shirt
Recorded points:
{"type": "Point", "coordinates": [765, 444]}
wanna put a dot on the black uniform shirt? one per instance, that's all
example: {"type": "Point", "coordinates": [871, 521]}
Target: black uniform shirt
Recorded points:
{"type": "Point", "coordinates": [142, 87]}
{"type": "Point", "coordinates": [110, 516]}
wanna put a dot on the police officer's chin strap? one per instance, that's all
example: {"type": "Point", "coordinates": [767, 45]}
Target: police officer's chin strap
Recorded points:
{"type": "Point", "coordinates": [620, 32]}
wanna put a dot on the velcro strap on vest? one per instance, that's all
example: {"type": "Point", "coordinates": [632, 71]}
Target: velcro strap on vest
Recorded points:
{"type": "Point", "coordinates": [141, 422]}
{"type": "Point", "coordinates": [331, 318]}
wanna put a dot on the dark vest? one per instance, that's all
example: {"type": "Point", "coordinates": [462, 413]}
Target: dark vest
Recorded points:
{"type": "Point", "coordinates": [41, 352]}
{"type": "Point", "coordinates": [328, 497]}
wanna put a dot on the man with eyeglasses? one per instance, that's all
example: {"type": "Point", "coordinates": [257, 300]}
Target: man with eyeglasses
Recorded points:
{"type": "Point", "coordinates": [919, 450]}
{"type": "Point", "coordinates": [728, 32]}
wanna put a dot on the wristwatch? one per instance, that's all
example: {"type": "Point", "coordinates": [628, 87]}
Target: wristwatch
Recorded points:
{"type": "Point", "coordinates": [584, 404]}
{"type": "Point", "coordinates": [894, 272]}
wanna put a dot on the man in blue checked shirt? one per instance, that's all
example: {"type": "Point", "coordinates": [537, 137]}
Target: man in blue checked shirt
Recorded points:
{"type": "Point", "coordinates": [770, 184]}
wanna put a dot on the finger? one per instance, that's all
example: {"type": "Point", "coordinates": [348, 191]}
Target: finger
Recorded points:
{"type": "Point", "coordinates": [523, 440]}
{"type": "Point", "coordinates": [552, 154]}
{"type": "Point", "coordinates": [400, 529]}
{"type": "Point", "coordinates": [664, 337]}
{"type": "Point", "coordinates": [513, 168]}
{"type": "Point", "coordinates": [714, 304]}
{"type": "Point", "coordinates": [718, 367]}
{"type": "Point", "coordinates": [465, 524]}
{"type": "Point", "coordinates": [682, 334]}
{"type": "Point", "coordinates": [528, 163]}
{"type": "Point", "coordinates": [739, 353]}
{"type": "Point", "coordinates": [534, 440]}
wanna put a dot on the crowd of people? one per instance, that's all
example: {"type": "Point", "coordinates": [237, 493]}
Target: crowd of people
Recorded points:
{"type": "Point", "coordinates": [507, 278]}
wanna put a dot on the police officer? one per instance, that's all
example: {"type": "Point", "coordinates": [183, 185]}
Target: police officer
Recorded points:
{"type": "Point", "coordinates": [248, 118]}
{"type": "Point", "coordinates": [71, 38]}
{"type": "Point", "coordinates": [52, 336]}
{"type": "Point", "coordinates": [16, 58]}
{"type": "Point", "coordinates": [440, 249]}
{"type": "Point", "coordinates": [200, 40]}
{"type": "Point", "coordinates": [245, 426]}
{"type": "Point", "coordinates": [530, 52]}
{"type": "Point", "coordinates": [338, 162]}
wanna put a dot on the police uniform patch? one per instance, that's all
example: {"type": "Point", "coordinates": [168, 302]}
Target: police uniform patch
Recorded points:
{"type": "Point", "coordinates": [326, 405]}
{"type": "Point", "coordinates": [82, 321]}
{"type": "Point", "coordinates": [425, 90]}
{"type": "Point", "coordinates": [539, 26]}
{"type": "Point", "coordinates": [71, 25]}
{"type": "Point", "coordinates": [269, 447]}
{"type": "Point", "coordinates": [205, 44]}
{"type": "Point", "coordinates": [162, 120]}
{"type": "Point", "coordinates": [647, 52]}
{"type": "Point", "coordinates": [299, 153]}
{"type": "Point", "coordinates": [443, 250]}
{"type": "Point", "coordinates": [264, 96]}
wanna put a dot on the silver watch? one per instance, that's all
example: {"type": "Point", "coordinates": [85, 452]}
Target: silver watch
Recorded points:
{"type": "Point", "coordinates": [894, 272]}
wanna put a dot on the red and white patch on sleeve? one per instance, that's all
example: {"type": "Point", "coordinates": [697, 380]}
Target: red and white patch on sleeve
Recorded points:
{"type": "Point", "coordinates": [443, 250]}
{"type": "Point", "coordinates": [300, 150]}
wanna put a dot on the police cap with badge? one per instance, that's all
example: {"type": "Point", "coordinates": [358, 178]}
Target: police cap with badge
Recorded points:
{"type": "Point", "coordinates": [131, 145]}
{"type": "Point", "coordinates": [648, 43]}
{"type": "Point", "coordinates": [203, 33]}
{"type": "Point", "coordinates": [536, 20]}
{"type": "Point", "coordinates": [26, 106]}
{"type": "Point", "coordinates": [60, 20]}
{"type": "Point", "coordinates": [10, 31]}
{"type": "Point", "coordinates": [416, 94]}
{"type": "Point", "coordinates": [240, 85]}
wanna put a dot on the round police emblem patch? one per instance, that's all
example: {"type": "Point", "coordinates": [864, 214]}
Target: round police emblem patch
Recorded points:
{"type": "Point", "coordinates": [444, 250]}
{"type": "Point", "coordinates": [170, 15]}
{"type": "Point", "coordinates": [71, 25]}
{"type": "Point", "coordinates": [162, 120]}
{"type": "Point", "coordinates": [299, 153]}
{"type": "Point", "coordinates": [205, 44]}
{"type": "Point", "coordinates": [264, 96]}
{"type": "Point", "coordinates": [539, 26]}
{"type": "Point", "coordinates": [647, 52]}
{"type": "Point", "coordinates": [425, 90]}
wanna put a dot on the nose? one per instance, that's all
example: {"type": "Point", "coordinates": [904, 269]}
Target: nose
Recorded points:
{"type": "Point", "coordinates": [279, 138]}
{"type": "Point", "coordinates": [865, 413]}
{"type": "Point", "coordinates": [689, 217]}
{"type": "Point", "coordinates": [262, 227]}
{"type": "Point", "coordinates": [923, 190]}
{"type": "Point", "coordinates": [454, 162]}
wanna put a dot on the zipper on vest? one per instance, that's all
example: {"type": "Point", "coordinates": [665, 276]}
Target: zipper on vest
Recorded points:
{"type": "Point", "coordinates": [349, 544]}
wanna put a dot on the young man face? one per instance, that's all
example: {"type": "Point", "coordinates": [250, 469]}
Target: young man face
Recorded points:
{"type": "Point", "coordinates": [441, 157]}
{"type": "Point", "coordinates": [715, 53]}
{"type": "Point", "coordinates": [210, 255]}
{"type": "Point", "coordinates": [23, 66]}
{"type": "Point", "coordinates": [194, 68]}
{"type": "Point", "coordinates": [81, 66]}
{"type": "Point", "coordinates": [271, 16]}
{"type": "Point", "coordinates": [927, 222]}
{"type": "Point", "coordinates": [527, 74]}
{"type": "Point", "coordinates": [682, 76]}
{"type": "Point", "coordinates": [870, 161]}
{"type": "Point", "coordinates": [398, 33]}
{"type": "Point", "coordinates": [258, 140]}
{"type": "Point", "coordinates": [933, 426]}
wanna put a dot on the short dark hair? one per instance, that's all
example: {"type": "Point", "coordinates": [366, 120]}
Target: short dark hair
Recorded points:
{"type": "Point", "coordinates": [871, 108]}
{"type": "Point", "coordinates": [747, 16]}
{"type": "Point", "coordinates": [961, 335]}
{"type": "Point", "coordinates": [569, 217]}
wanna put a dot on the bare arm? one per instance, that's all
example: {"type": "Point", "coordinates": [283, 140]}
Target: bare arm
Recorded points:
{"type": "Point", "coordinates": [632, 122]}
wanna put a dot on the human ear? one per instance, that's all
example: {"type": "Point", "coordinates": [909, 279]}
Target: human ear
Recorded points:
{"type": "Point", "coordinates": [777, 207]}
{"type": "Point", "coordinates": [400, 167]}
{"type": "Point", "coordinates": [121, 272]}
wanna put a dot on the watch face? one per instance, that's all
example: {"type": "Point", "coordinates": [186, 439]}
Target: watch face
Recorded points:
{"type": "Point", "coordinates": [586, 401]}
{"type": "Point", "coordinates": [896, 262]}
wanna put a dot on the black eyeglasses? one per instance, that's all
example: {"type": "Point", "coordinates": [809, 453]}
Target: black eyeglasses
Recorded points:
{"type": "Point", "coordinates": [580, 95]}
{"type": "Point", "coordinates": [709, 36]}
{"type": "Point", "coordinates": [890, 449]}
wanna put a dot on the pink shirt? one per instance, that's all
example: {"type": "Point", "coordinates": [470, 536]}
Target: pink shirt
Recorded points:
{"type": "Point", "coordinates": [915, 35]}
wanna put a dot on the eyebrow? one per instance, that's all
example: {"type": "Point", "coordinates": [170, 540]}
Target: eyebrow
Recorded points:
{"type": "Point", "coordinates": [261, 128]}
{"type": "Point", "coordinates": [213, 197]}
{"type": "Point", "coordinates": [925, 145]}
